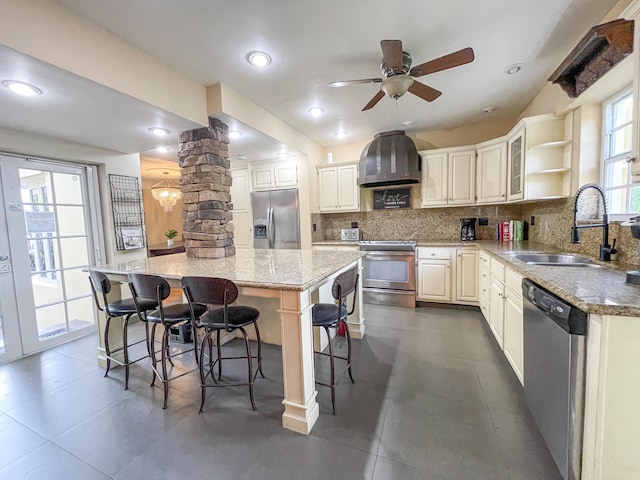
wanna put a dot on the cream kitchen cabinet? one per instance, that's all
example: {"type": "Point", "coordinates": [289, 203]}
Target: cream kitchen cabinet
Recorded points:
{"type": "Point", "coordinates": [514, 323]}
{"type": "Point", "coordinates": [434, 274]}
{"type": "Point", "coordinates": [466, 275]}
{"type": "Point", "coordinates": [447, 275]}
{"type": "Point", "coordinates": [515, 165]}
{"type": "Point", "coordinates": [496, 301]}
{"type": "Point", "coordinates": [274, 175]}
{"type": "Point", "coordinates": [338, 187]}
{"type": "Point", "coordinates": [484, 282]}
{"type": "Point", "coordinates": [448, 176]}
{"type": "Point", "coordinates": [492, 172]}
{"type": "Point", "coordinates": [241, 200]}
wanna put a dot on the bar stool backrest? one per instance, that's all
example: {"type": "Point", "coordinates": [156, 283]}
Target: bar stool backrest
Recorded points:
{"type": "Point", "coordinates": [149, 287]}
{"type": "Point", "coordinates": [212, 291]}
{"type": "Point", "coordinates": [100, 283]}
{"type": "Point", "coordinates": [343, 285]}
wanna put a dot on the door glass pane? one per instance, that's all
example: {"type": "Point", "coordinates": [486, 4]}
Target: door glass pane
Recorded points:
{"type": "Point", "coordinates": [51, 320]}
{"type": "Point", "coordinates": [68, 188]}
{"type": "Point", "coordinates": [71, 220]}
{"type": "Point", "coordinates": [516, 165]}
{"type": "Point", "coordinates": [81, 313]}
{"type": "Point", "coordinates": [43, 256]}
{"type": "Point", "coordinates": [47, 288]}
{"type": "Point", "coordinates": [76, 283]}
{"type": "Point", "coordinates": [74, 252]}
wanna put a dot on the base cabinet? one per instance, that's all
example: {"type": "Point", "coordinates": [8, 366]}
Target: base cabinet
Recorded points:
{"type": "Point", "coordinates": [514, 332]}
{"type": "Point", "coordinates": [447, 275]}
{"type": "Point", "coordinates": [496, 310]}
{"type": "Point", "coordinates": [434, 280]}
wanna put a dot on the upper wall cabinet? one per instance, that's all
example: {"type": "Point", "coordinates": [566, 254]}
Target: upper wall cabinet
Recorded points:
{"type": "Point", "coordinates": [515, 165]}
{"type": "Point", "coordinates": [448, 176]}
{"type": "Point", "coordinates": [338, 187]}
{"type": "Point", "coordinates": [274, 175]}
{"type": "Point", "coordinates": [492, 171]}
{"type": "Point", "coordinates": [241, 198]}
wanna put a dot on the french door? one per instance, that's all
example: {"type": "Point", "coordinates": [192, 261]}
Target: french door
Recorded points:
{"type": "Point", "coordinates": [48, 216]}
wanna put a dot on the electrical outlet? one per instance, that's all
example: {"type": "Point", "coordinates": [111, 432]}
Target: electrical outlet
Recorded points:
{"type": "Point", "coordinates": [533, 221]}
{"type": "Point", "coordinates": [483, 222]}
{"type": "Point", "coordinates": [314, 227]}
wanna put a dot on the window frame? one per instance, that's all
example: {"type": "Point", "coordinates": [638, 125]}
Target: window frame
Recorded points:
{"type": "Point", "coordinates": [607, 132]}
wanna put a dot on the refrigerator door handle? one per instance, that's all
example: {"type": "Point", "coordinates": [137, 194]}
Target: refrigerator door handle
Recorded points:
{"type": "Point", "coordinates": [270, 231]}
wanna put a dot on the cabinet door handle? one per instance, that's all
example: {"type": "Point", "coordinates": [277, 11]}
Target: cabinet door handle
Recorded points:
{"type": "Point", "coordinates": [630, 159]}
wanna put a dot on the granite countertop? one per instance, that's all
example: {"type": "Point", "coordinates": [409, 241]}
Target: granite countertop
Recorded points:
{"type": "Point", "coordinates": [601, 291]}
{"type": "Point", "coordinates": [274, 269]}
{"type": "Point", "coordinates": [336, 242]}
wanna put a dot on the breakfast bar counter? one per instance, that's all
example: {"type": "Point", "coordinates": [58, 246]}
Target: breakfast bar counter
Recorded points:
{"type": "Point", "coordinates": [293, 277]}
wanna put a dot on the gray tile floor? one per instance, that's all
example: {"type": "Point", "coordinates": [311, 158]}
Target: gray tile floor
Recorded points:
{"type": "Point", "coordinates": [434, 399]}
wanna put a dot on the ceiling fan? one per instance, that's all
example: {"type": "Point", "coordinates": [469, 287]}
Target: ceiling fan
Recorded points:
{"type": "Point", "coordinates": [399, 76]}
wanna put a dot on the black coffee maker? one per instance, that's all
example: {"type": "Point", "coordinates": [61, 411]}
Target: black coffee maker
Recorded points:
{"type": "Point", "coordinates": [467, 229]}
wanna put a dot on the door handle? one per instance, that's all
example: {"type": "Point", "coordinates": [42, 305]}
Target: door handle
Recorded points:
{"type": "Point", "coordinates": [4, 258]}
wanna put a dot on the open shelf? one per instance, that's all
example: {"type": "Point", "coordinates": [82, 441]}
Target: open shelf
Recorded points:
{"type": "Point", "coordinates": [550, 170]}
{"type": "Point", "coordinates": [556, 144]}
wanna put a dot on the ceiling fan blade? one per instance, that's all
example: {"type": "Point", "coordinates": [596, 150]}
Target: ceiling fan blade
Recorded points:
{"type": "Point", "coordinates": [454, 59]}
{"type": "Point", "coordinates": [372, 103]}
{"type": "Point", "coordinates": [424, 91]}
{"type": "Point", "coordinates": [392, 54]}
{"type": "Point", "coordinates": [343, 83]}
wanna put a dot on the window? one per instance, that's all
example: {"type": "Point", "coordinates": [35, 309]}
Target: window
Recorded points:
{"type": "Point", "coordinates": [622, 196]}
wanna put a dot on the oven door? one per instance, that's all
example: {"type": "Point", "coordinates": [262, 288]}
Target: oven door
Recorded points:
{"type": "Point", "coordinates": [390, 270]}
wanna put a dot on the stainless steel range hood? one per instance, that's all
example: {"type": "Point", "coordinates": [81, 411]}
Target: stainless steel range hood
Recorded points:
{"type": "Point", "coordinates": [391, 158]}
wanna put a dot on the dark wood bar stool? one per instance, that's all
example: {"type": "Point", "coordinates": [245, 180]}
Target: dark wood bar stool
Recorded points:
{"type": "Point", "coordinates": [124, 309]}
{"type": "Point", "coordinates": [146, 288]}
{"type": "Point", "coordinates": [222, 293]}
{"type": "Point", "coordinates": [331, 315]}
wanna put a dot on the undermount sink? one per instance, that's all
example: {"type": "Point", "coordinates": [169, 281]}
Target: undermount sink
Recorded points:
{"type": "Point", "coordinates": [556, 260]}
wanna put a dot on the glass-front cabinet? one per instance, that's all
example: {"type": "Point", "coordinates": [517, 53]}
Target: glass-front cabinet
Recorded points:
{"type": "Point", "coordinates": [515, 168]}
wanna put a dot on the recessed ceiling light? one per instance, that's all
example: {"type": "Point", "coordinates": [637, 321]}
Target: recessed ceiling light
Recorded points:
{"type": "Point", "coordinates": [341, 135]}
{"type": "Point", "coordinates": [241, 157]}
{"type": "Point", "coordinates": [235, 133]}
{"type": "Point", "coordinates": [159, 131]}
{"type": "Point", "coordinates": [282, 154]}
{"type": "Point", "coordinates": [408, 123]}
{"type": "Point", "coordinates": [316, 111]}
{"type": "Point", "coordinates": [515, 68]}
{"type": "Point", "coordinates": [258, 59]}
{"type": "Point", "coordinates": [21, 88]}
{"type": "Point", "coordinates": [162, 149]}
{"type": "Point", "coordinates": [489, 109]}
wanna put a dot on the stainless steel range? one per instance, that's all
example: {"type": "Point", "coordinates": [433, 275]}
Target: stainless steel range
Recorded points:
{"type": "Point", "coordinates": [389, 272]}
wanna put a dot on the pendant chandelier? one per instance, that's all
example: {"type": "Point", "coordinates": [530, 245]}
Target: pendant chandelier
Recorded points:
{"type": "Point", "coordinates": [166, 192]}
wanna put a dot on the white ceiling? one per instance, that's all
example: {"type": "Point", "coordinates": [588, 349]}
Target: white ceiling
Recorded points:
{"type": "Point", "coordinates": [312, 43]}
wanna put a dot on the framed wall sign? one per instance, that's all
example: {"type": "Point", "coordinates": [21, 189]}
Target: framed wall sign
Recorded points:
{"type": "Point", "coordinates": [392, 199]}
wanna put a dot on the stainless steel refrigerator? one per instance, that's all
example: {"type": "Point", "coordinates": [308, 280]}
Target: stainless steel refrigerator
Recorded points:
{"type": "Point", "coordinates": [276, 219]}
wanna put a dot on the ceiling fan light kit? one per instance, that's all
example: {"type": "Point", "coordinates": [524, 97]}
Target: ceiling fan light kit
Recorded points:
{"type": "Point", "coordinates": [399, 77]}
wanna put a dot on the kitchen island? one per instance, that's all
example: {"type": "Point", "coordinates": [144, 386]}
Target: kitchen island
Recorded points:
{"type": "Point", "coordinates": [295, 278]}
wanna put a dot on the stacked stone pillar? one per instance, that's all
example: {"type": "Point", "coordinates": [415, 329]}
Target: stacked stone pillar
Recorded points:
{"type": "Point", "coordinates": [205, 181]}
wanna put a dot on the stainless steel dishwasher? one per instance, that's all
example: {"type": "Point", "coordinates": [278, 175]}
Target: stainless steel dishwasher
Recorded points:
{"type": "Point", "coordinates": [554, 373]}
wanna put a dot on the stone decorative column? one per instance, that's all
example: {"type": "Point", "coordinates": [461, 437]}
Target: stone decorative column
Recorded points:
{"type": "Point", "coordinates": [205, 181]}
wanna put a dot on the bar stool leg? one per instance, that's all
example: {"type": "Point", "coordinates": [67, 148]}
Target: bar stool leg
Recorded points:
{"type": "Point", "coordinates": [333, 372]}
{"type": "Point", "coordinates": [165, 375]}
{"type": "Point", "coordinates": [107, 349]}
{"type": "Point", "coordinates": [154, 360]}
{"type": "Point", "coordinates": [346, 328]}
{"type": "Point", "coordinates": [219, 354]}
{"type": "Point", "coordinates": [259, 349]}
{"type": "Point", "coordinates": [250, 366]}
{"type": "Point", "coordinates": [125, 349]}
{"type": "Point", "coordinates": [203, 377]}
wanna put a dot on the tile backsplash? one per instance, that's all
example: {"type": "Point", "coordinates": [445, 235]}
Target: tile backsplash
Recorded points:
{"type": "Point", "coordinates": [553, 224]}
